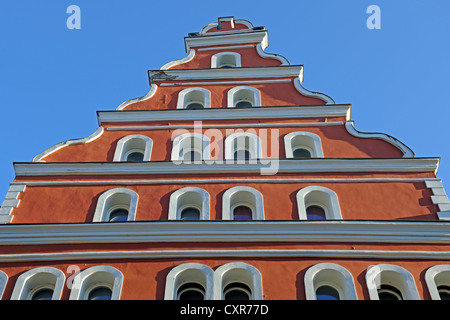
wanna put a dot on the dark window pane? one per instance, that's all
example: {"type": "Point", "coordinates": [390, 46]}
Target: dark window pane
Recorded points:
{"type": "Point", "coordinates": [43, 294]}
{"type": "Point", "coordinates": [327, 293]}
{"type": "Point", "coordinates": [190, 214]}
{"type": "Point", "coordinates": [444, 292]}
{"type": "Point", "coordinates": [100, 293]}
{"type": "Point", "coordinates": [191, 291]}
{"type": "Point", "coordinates": [135, 157]}
{"type": "Point", "coordinates": [387, 292]}
{"type": "Point", "coordinates": [315, 213]}
{"type": "Point", "coordinates": [118, 215]}
{"type": "Point", "coordinates": [237, 291]}
{"type": "Point", "coordinates": [301, 153]}
{"type": "Point", "coordinates": [242, 213]}
{"type": "Point", "coordinates": [243, 104]}
{"type": "Point", "coordinates": [194, 105]}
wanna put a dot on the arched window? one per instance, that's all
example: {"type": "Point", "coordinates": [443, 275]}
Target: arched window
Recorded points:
{"type": "Point", "coordinates": [242, 147]}
{"type": "Point", "coordinates": [237, 281]}
{"type": "Point", "coordinates": [189, 203]}
{"type": "Point", "coordinates": [329, 281]}
{"type": "Point", "coordinates": [302, 145]}
{"type": "Point", "coordinates": [189, 281]}
{"type": "Point", "coordinates": [226, 60]}
{"type": "Point", "coordinates": [390, 282]}
{"type": "Point", "coordinates": [97, 283]}
{"type": "Point", "coordinates": [318, 203]}
{"type": "Point", "coordinates": [438, 282]}
{"type": "Point", "coordinates": [44, 283]}
{"type": "Point", "coordinates": [133, 148]}
{"type": "Point", "coordinates": [242, 203]}
{"type": "Point", "coordinates": [190, 148]}
{"type": "Point", "coordinates": [194, 98]}
{"type": "Point", "coordinates": [116, 205]}
{"type": "Point", "coordinates": [243, 97]}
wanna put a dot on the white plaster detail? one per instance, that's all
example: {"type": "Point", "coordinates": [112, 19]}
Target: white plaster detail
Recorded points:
{"type": "Point", "coordinates": [243, 46]}
{"type": "Point", "coordinates": [291, 112]}
{"type": "Point", "coordinates": [194, 95]}
{"type": "Point", "coordinates": [330, 274]}
{"type": "Point", "coordinates": [29, 282]}
{"type": "Point", "coordinates": [226, 58]}
{"type": "Point", "coordinates": [305, 140]}
{"type": "Point", "coordinates": [60, 145]}
{"type": "Point", "coordinates": [225, 38]}
{"type": "Point", "coordinates": [185, 273]}
{"type": "Point", "coordinates": [93, 277]}
{"type": "Point", "coordinates": [173, 63]}
{"type": "Point", "coordinates": [394, 255]}
{"type": "Point", "coordinates": [147, 96]}
{"type": "Point", "coordinates": [237, 272]}
{"type": "Point", "coordinates": [245, 196]}
{"type": "Point", "coordinates": [188, 197]}
{"type": "Point", "coordinates": [265, 55]}
{"type": "Point", "coordinates": [286, 71]}
{"type": "Point", "coordinates": [230, 231]}
{"type": "Point", "coordinates": [3, 281]}
{"type": "Point", "coordinates": [436, 276]}
{"type": "Point", "coordinates": [320, 196]}
{"type": "Point", "coordinates": [407, 152]}
{"type": "Point", "coordinates": [439, 198]}
{"type": "Point", "coordinates": [393, 275]}
{"type": "Point", "coordinates": [243, 93]}
{"type": "Point", "coordinates": [10, 202]}
{"type": "Point", "coordinates": [117, 198]}
{"type": "Point", "coordinates": [289, 165]}
{"type": "Point", "coordinates": [133, 143]}
{"type": "Point", "coordinates": [298, 85]}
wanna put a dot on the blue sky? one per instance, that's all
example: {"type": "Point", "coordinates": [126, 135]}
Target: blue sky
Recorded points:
{"type": "Point", "coordinates": [53, 80]}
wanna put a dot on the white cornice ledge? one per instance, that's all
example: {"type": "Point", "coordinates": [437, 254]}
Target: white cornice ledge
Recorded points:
{"type": "Point", "coordinates": [286, 71]}
{"type": "Point", "coordinates": [262, 166]}
{"type": "Point", "coordinates": [228, 231]}
{"type": "Point", "coordinates": [289, 112]}
{"type": "Point", "coordinates": [212, 39]}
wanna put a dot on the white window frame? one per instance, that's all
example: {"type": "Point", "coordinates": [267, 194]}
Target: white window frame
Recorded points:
{"type": "Point", "coordinates": [127, 144]}
{"type": "Point", "coordinates": [184, 94]}
{"type": "Point", "coordinates": [332, 275]}
{"type": "Point", "coordinates": [185, 273]}
{"type": "Point", "coordinates": [233, 96]}
{"type": "Point", "coordinates": [237, 272]}
{"type": "Point", "coordinates": [320, 196]}
{"type": "Point", "coordinates": [305, 140]}
{"type": "Point", "coordinates": [29, 282]}
{"type": "Point", "coordinates": [436, 276]}
{"type": "Point", "coordinates": [104, 208]}
{"type": "Point", "coordinates": [177, 146]}
{"type": "Point", "coordinates": [216, 59]}
{"type": "Point", "coordinates": [255, 203]}
{"type": "Point", "coordinates": [3, 281]}
{"type": "Point", "coordinates": [178, 202]}
{"type": "Point", "coordinates": [254, 146]}
{"type": "Point", "coordinates": [89, 279]}
{"type": "Point", "coordinates": [393, 275]}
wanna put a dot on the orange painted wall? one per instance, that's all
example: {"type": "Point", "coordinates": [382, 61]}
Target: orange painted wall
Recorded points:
{"type": "Point", "coordinates": [272, 94]}
{"type": "Point", "coordinates": [358, 201]}
{"type": "Point", "coordinates": [336, 143]}
{"type": "Point", "coordinates": [145, 278]}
